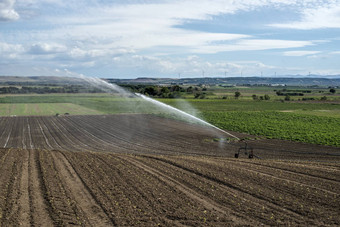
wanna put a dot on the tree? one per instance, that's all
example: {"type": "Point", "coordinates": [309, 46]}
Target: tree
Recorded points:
{"type": "Point", "coordinates": [176, 88]}
{"type": "Point", "coordinates": [197, 95]}
{"type": "Point", "coordinates": [287, 98]}
{"type": "Point", "coordinates": [266, 97]}
{"type": "Point", "coordinates": [255, 97]}
{"type": "Point", "coordinates": [165, 90]}
{"type": "Point", "coordinates": [150, 91]}
{"type": "Point", "coordinates": [237, 94]}
{"type": "Point", "coordinates": [332, 90]}
{"type": "Point", "coordinates": [190, 89]}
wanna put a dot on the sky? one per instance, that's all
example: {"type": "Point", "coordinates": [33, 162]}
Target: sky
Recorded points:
{"type": "Point", "coordinates": [170, 38]}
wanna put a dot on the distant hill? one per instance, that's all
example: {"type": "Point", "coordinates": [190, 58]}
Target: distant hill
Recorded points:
{"type": "Point", "coordinates": [39, 80]}
{"type": "Point", "coordinates": [227, 81]}
{"type": "Point", "coordinates": [271, 81]}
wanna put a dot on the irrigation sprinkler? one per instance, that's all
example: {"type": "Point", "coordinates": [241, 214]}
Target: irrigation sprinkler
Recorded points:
{"type": "Point", "coordinates": [246, 149]}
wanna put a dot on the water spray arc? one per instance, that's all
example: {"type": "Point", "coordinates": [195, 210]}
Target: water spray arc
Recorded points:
{"type": "Point", "coordinates": [110, 88]}
{"type": "Point", "coordinates": [184, 113]}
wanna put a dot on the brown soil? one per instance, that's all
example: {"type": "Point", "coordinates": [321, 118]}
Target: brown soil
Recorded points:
{"type": "Point", "coordinates": [140, 170]}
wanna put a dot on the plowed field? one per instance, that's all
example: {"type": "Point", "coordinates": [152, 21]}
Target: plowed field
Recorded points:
{"type": "Point", "coordinates": [141, 170]}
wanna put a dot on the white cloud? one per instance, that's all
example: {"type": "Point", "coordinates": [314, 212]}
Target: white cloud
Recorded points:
{"type": "Point", "coordinates": [300, 53]}
{"type": "Point", "coordinates": [7, 47]}
{"type": "Point", "coordinates": [191, 66]}
{"type": "Point", "coordinates": [46, 48]}
{"type": "Point", "coordinates": [79, 54]}
{"type": "Point", "coordinates": [7, 11]}
{"type": "Point", "coordinates": [107, 26]}
{"type": "Point", "coordinates": [252, 45]}
{"type": "Point", "coordinates": [10, 51]}
{"type": "Point", "coordinates": [95, 33]}
{"type": "Point", "coordinates": [324, 15]}
{"type": "Point", "coordinates": [149, 25]}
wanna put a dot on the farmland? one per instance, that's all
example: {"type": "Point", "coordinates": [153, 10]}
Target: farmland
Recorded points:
{"type": "Point", "coordinates": [310, 122]}
{"type": "Point", "coordinates": [135, 169]}
{"type": "Point", "coordinates": [121, 161]}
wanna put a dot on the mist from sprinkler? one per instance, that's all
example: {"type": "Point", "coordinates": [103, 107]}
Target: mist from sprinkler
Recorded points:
{"type": "Point", "coordinates": [173, 109]}
{"type": "Point", "coordinates": [110, 88]}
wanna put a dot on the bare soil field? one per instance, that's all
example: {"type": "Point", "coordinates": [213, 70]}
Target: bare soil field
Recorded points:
{"type": "Point", "coordinates": [142, 170]}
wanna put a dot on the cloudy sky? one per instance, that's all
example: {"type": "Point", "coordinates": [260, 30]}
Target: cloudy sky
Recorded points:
{"type": "Point", "coordinates": [169, 38]}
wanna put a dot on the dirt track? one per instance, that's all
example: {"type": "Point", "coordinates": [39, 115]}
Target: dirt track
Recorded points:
{"type": "Point", "coordinates": [163, 173]}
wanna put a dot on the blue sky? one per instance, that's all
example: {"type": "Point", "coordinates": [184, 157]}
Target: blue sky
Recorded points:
{"type": "Point", "coordinates": [135, 38]}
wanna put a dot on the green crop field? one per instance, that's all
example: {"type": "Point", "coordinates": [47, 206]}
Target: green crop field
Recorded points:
{"type": "Point", "coordinates": [311, 122]}
{"type": "Point", "coordinates": [287, 126]}
{"type": "Point", "coordinates": [248, 105]}
{"type": "Point", "coordinates": [31, 109]}
{"type": "Point", "coordinates": [317, 123]}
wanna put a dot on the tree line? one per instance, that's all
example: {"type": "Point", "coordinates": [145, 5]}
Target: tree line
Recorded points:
{"type": "Point", "coordinates": [173, 91]}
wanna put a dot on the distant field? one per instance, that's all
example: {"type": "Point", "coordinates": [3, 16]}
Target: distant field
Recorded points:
{"type": "Point", "coordinates": [311, 122]}
{"type": "Point", "coordinates": [29, 109]}
{"type": "Point", "coordinates": [247, 92]}
{"type": "Point", "coordinates": [99, 103]}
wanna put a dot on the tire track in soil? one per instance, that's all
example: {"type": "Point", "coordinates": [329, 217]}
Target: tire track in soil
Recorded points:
{"type": "Point", "coordinates": [9, 136]}
{"type": "Point", "coordinates": [93, 211]}
{"type": "Point", "coordinates": [29, 134]}
{"type": "Point", "coordinates": [192, 194]}
{"type": "Point", "coordinates": [38, 208]}
{"type": "Point", "coordinates": [12, 190]}
{"type": "Point", "coordinates": [25, 215]}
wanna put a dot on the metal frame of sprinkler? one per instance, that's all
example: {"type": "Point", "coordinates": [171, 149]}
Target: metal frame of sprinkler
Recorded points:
{"type": "Point", "coordinates": [247, 150]}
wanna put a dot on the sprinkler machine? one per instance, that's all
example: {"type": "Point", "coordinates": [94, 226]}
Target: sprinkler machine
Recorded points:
{"type": "Point", "coordinates": [246, 149]}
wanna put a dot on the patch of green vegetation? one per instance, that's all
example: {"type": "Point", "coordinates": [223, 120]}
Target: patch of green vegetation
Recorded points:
{"type": "Point", "coordinates": [287, 126]}
{"type": "Point", "coordinates": [34, 99]}
{"type": "Point", "coordinates": [320, 113]}
{"type": "Point", "coordinates": [113, 105]}
{"type": "Point", "coordinates": [105, 103]}
{"type": "Point", "coordinates": [245, 105]}
{"type": "Point", "coordinates": [32, 109]}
